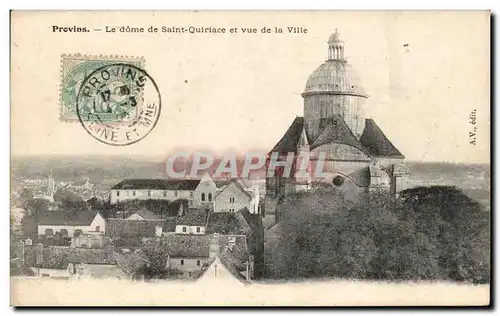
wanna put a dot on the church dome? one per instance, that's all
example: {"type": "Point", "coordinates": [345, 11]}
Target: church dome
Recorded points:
{"type": "Point", "coordinates": [335, 76]}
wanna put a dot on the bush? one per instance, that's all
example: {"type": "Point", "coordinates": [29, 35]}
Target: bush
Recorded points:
{"type": "Point", "coordinates": [427, 233]}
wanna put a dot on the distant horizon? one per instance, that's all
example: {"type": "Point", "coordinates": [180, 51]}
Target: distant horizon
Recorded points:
{"type": "Point", "coordinates": [158, 158]}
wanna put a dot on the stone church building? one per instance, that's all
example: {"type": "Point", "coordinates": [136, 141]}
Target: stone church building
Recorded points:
{"type": "Point", "coordinates": [358, 156]}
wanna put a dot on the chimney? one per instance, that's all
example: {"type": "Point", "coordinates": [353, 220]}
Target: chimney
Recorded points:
{"type": "Point", "coordinates": [214, 246]}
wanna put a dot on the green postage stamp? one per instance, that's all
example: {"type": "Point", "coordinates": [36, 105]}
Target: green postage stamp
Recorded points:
{"type": "Point", "coordinates": [74, 70]}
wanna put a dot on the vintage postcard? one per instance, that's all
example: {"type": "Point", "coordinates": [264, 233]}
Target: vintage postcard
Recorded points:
{"type": "Point", "coordinates": [259, 158]}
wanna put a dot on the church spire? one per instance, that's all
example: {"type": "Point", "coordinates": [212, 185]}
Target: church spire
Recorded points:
{"type": "Point", "coordinates": [335, 47]}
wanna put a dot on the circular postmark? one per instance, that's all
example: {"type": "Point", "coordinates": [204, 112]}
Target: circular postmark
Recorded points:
{"type": "Point", "coordinates": [118, 104]}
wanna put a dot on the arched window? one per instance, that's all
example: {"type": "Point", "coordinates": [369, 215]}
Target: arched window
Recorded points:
{"type": "Point", "coordinates": [203, 197]}
{"type": "Point", "coordinates": [97, 229]}
{"type": "Point", "coordinates": [209, 197]}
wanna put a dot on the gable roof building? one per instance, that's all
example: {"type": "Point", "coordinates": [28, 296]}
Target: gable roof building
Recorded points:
{"type": "Point", "coordinates": [71, 223]}
{"type": "Point", "coordinates": [67, 218]}
{"type": "Point", "coordinates": [157, 184]}
{"type": "Point", "coordinates": [144, 215]}
{"type": "Point", "coordinates": [154, 189]}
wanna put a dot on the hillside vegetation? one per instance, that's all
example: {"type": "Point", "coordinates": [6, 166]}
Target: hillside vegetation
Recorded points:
{"type": "Point", "coordinates": [433, 232]}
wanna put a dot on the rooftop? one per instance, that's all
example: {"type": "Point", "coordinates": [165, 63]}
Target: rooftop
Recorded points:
{"type": "Point", "coordinates": [157, 184]}
{"type": "Point", "coordinates": [69, 218]}
{"type": "Point", "coordinates": [193, 217]}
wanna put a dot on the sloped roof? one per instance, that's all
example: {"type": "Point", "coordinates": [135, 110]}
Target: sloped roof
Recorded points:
{"type": "Point", "coordinates": [67, 218]}
{"type": "Point", "coordinates": [234, 259]}
{"type": "Point", "coordinates": [253, 220]}
{"type": "Point", "coordinates": [233, 264]}
{"type": "Point", "coordinates": [123, 228]}
{"type": "Point", "coordinates": [337, 131]}
{"type": "Point", "coordinates": [187, 246]}
{"type": "Point", "coordinates": [238, 185]}
{"type": "Point", "coordinates": [372, 142]}
{"type": "Point", "coordinates": [375, 141]}
{"type": "Point", "coordinates": [289, 141]}
{"type": "Point", "coordinates": [56, 257]}
{"type": "Point", "coordinates": [193, 217]}
{"type": "Point", "coordinates": [157, 184]}
{"type": "Point", "coordinates": [240, 247]}
{"type": "Point", "coordinates": [146, 214]}
{"type": "Point", "coordinates": [131, 262]}
{"type": "Point", "coordinates": [221, 183]}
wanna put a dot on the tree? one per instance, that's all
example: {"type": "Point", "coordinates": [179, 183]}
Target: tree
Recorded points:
{"type": "Point", "coordinates": [426, 233]}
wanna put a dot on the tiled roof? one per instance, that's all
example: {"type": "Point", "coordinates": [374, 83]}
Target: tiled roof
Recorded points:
{"type": "Point", "coordinates": [337, 132]}
{"type": "Point", "coordinates": [131, 262]}
{"type": "Point", "coordinates": [253, 220]}
{"type": "Point", "coordinates": [374, 140]}
{"type": "Point", "coordinates": [227, 223]}
{"type": "Point", "coordinates": [234, 259]}
{"type": "Point", "coordinates": [238, 185]}
{"type": "Point", "coordinates": [240, 245]}
{"type": "Point", "coordinates": [233, 264]}
{"type": "Point", "coordinates": [221, 183]}
{"type": "Point", "coordinates": [69, 218]}
{"type": "Point", "coordinates": [187, 246]}
{"type": "Point", "coordinates": [157, 184]}
{"type": "Point", "coordinates": [193, 217]}
{"type": "Point", "coordinates": [123, 228]}
{"type": "Point", "coordinates": [55, 257]}
{"type": "Point", "coordinates": [289, 141]}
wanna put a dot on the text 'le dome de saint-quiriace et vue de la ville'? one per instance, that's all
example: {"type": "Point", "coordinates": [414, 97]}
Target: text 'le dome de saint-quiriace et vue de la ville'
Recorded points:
{"type": "Point", "coordinates": [362, 215]}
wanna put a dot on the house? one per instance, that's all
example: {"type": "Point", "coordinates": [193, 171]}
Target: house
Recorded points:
{"type": "Point", "coordinates": [227, 267]}
{"type": "Point", "coordinates": [71, 223]}
{"type": "Point", "coordinates": [232, 198]}
{"type": "Point", "coordinates": [186, 253]}
{"type": "Point", "coordinates": [156, 189]}
{"type": "Point", "coordinates": [199, 192]}
{"type": "Point", "coordinates": [66, 262]}
{"type": "Point", "coordinates": [143, 215]}
{"type": "Point", "coordinates": [189, 254]}
{"type": "Point", "coordinates": [193, 222]}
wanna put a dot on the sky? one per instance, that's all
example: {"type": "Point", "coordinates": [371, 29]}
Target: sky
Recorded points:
{"type": "Point", "coordinates": [424, 73]}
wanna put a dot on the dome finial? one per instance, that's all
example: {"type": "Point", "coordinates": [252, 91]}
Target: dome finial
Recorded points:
{"type": "Point", "coordinates": [335, 47]}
